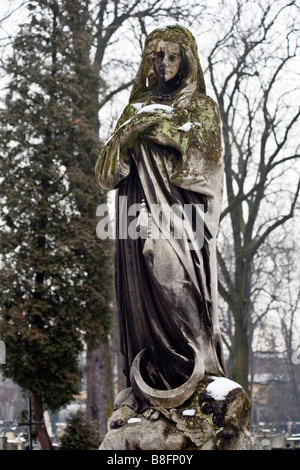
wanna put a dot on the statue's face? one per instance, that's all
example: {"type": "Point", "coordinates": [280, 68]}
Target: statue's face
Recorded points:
{"type": "Point", "coordinates": [167, 60]}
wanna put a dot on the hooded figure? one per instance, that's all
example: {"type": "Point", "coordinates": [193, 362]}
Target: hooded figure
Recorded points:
{"type": "Point", "coordinates": [165, 157]}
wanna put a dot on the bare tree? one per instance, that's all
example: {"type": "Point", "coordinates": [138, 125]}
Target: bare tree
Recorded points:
{"type": "Point", "coordinates": [251, 70]}
{"type": "Point", "coordinates": [274, 370]}
{"type": "Point", "coordinates": [287, 311]}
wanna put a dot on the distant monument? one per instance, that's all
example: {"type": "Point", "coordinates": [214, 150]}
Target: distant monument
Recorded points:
{"type": "Point", "coordinates": [165, 159]}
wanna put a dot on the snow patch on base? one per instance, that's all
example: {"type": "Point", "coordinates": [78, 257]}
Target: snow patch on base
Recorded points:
{"type": "Point", "coordinates": [134, 420]}
{"type": "Point", "coordinates": [188, 412]}
{"type": "Point", "coordinates": [220, 387]}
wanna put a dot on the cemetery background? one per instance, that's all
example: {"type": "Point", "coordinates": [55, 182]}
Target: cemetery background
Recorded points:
{"type": "Point", "coordinates": [271, 306]}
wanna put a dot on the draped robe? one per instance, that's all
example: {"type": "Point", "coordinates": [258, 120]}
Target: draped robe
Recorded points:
{"type": "Point", "coordinates": [166, 293]}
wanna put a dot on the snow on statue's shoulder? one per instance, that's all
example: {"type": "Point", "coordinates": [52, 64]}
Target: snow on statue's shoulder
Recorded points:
{"type": "Point", "coordinates": [220, 387]}
{"type": "Point", "coordinates": [137, 106]}
{"type": "Point", "coordinates": [189, 125]}
{"type": "Point", "coordinates": [153, 108]}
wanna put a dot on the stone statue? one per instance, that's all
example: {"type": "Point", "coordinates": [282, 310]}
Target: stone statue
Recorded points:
{"type": "Point", "coordinates": [165, 159]}
{"type": "Point", "coordinates": [164, 156]}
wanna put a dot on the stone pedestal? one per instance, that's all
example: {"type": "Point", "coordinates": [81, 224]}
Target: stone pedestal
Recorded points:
{"type": "Point", "coordinates": [216, 417]}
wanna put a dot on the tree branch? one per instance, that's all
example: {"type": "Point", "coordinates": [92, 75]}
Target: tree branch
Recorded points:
{"type": "Point", "coordinates": [256, 244]}
{"type": "Point", "coordinates": [13, 11]}
{"type": "Point", "coordinates": [115, 92]}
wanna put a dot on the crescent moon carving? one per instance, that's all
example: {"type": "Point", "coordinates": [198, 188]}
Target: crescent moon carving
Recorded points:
{"type": "Point", "coordinates": [166, 398]}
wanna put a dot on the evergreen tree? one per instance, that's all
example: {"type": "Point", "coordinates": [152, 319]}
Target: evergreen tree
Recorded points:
{"type": "Point", "coordinates": [54, 274]}
{"type": "Point", "coordinates": [80, 434]}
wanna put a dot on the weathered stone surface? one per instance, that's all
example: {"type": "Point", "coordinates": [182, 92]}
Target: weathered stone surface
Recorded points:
{"type": "Point", "coordinates": [145, 435]}
{"type": "Point", "coordinates": [165, 161]}
{"type": "Point", "coordinates": [216, 417]}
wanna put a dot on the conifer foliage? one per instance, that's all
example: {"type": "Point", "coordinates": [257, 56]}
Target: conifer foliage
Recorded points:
{"type": "Point", "coordinates": [80, 433]}
{"type": "Point", "coordinates": [54, 274]}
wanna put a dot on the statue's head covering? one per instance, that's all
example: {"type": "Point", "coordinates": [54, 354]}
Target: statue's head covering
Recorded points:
{"type": "Point", "coordinates": [146, 77]}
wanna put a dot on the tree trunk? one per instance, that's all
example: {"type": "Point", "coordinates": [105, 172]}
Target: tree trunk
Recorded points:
{"type": "Point", "coordinates": [294, 386]}
{"type": "Point", "coordinates": [38, 415]}
{"type": "Point", "coordinates": [240, 355]}
{"type": "Point", "coordinates": [99, 386]}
